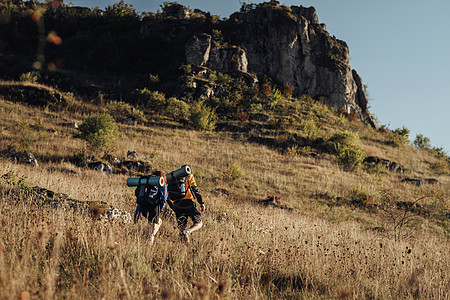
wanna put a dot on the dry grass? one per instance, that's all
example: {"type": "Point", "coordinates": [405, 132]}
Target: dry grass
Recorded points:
{"type": "Point", "coordinates": [322, 248]}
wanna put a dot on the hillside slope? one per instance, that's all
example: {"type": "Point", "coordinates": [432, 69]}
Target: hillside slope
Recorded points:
{"type": "Point", "coordinates": [333, 232]}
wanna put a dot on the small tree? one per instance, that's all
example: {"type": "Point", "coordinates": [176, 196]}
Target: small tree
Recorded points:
{"type": "Point", "coordinates": [422, 142]}
{"type": "Point", "coordinates": [100, 131]}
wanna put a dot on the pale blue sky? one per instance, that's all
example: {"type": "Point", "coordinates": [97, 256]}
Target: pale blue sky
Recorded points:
{"type": "Point", "coordinates": [401, 49]}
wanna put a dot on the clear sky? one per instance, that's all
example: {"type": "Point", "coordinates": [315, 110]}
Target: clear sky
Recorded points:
{"type": "Point", "coordinates": [401, 50]}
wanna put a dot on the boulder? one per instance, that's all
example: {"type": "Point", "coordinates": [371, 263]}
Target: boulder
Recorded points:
{"type": "Point", "coordinates": [99, 210]}
{"type": "Point", "coordinates": [21, 157]}
{"type": "Point", "coordinates": [420, 182]}
{"type": "Point", "coordinates": [390, 165]}
{"type": "Point", "coordinates": [100, 167]}
{"type": "Point", "coordinates": [414, 181]}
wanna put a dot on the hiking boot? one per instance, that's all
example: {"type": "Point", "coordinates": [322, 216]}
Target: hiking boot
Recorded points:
{"type": "Point", "coordinates": [184, 236]}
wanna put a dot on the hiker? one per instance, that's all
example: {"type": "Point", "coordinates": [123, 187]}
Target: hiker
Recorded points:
{"type": "Point", "coordinates": [182, 192]}
{"type": "Point", "coordinates": [150, 203]}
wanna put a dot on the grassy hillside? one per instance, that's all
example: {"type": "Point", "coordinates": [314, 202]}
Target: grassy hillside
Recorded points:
{"type": "Point", "coordinates": [340, 229]}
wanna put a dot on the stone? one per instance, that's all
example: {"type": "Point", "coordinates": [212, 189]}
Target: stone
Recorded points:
{"type": "Point", "coordinates": [420, 182]}
{"type": "Point", "coordinates": [414, 181]}
{"type": "Point", "coordinates": [132, 154]}
{"type": "Point", "coordinates": [100, 167]}
{"type": "Point", "coordinates": [129, 121]}
{"type": "Point", "coordinates": [390, 165]}
{"type": "Point", "coordinates": [431, 181]}
{"type": "Point", "coordinates": [24, 157]}
{"type": "Point", "coordinates": [100, 210]}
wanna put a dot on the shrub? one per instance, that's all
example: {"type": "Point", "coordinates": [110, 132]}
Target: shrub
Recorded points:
{"type": "Point", "coordinates": [361, 197]}
{"type": "Point", "coordinates": [178, 109]}
{"type": "Point", "coordinates": [186, 69]}
{"type": "Point", "coordinates": [402, 135]}
{"type": "Point", "coordinates": [287, 90]}
{"type": "Point", "coordinates": [121, 110]}
{"type": "Point", "coordinates": [439, 152]}
{"type": "Point", "coordinates": [153, 100]}
{"type": "Point", "coordinates": [295, 150]}
{"type": "Point", "coordinates": [311, 130]}
{"type": "Point", "coordinates": [202, 117]}
{"type": "Point", "coordinates": [422, 142]}
{"type": "Point", "coordinates": [275, 98]}
{"type": "Point", "coordinates": [233, 173]}
{"type": "Point", "coordinates": [345, 145]}
{"type": "Point", "coordinates": [100, 131]}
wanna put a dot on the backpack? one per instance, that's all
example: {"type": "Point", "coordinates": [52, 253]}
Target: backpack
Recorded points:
{"type": "Point", "coordinates": [146, 194]}
{"type": "Point", "coordinates": [176, 188]}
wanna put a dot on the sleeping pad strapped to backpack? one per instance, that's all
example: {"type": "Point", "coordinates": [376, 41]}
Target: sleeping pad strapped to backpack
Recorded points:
{"type": "Point", "coordinates": [147, 194]}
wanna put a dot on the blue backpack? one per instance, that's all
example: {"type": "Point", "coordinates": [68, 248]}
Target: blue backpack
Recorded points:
{"type": "Point", "coordinates": [148, 195]}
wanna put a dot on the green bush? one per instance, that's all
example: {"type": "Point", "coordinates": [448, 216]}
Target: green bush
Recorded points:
{"type": "Point", "coordinates": [275, 98]}
{"type": "Point", "coordinates": [121, 110]}
{"type": "Point", "coordinates": [177, 109]}
{"type": "Point", "coordinates": [203, 117]}
{"type": "Point", "coordinates": [153, 100]}
{"type": "Point", "coordinates": [345, 146]}
{"type": "Point", "coordinates": [400, 136]}
{"type": "Point", "coordinates": [422, 142]}
{"type": "Point", "coordinates": [311, 130]}
{"type": "Point", "coordinates": [439, 152]}
{"type": "Point", "coordinates": [100, 131]}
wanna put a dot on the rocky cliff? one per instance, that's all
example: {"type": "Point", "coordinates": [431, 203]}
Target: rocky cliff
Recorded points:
{"type": "Point", "coordinates": [287, 44]}
{"type": "Point", "coordinates": [291, 46]}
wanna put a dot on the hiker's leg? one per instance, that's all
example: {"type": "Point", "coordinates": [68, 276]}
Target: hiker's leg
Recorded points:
{"type": "Point", "coordinates": [154, 222]}
{"type": "Point", "coordinates": [196, 217]}
{"type": "Point", "coordinates": [181, 219]}
{"type": "Point", "coordinates": [196, 226]}
{"type": "Point", "coordinates": [153, 230]}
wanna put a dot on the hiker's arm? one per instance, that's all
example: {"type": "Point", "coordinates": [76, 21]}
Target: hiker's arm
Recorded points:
{"type": "Point", "coordinates": [194, 189]}
{"type": "Point", "coordinates": [197, 194]}
{"type": "Point", "coordinates": [199, 197]}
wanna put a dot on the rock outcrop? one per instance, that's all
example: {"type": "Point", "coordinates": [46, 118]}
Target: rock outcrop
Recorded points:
{"type": "Point", "coordinates": [21, 157]}
{"type": "Point", "coordinates": [287, 44]}
{"type": "Point", "coordinates": [201, 51]}
{"type": "Point", "coordinates": [291, 46]}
